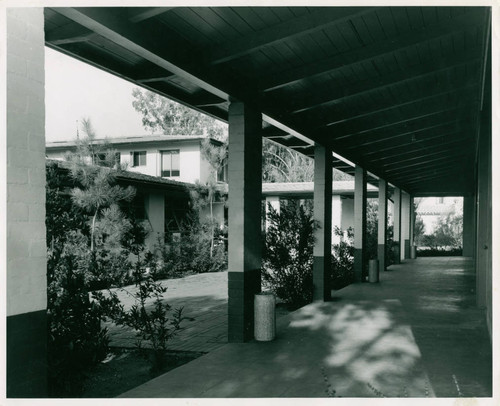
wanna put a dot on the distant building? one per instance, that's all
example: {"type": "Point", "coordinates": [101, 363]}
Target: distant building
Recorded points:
{"type": "Point", "coordinates": [177, 158]}
{"type": "Point", "coordinates": [431, 209]}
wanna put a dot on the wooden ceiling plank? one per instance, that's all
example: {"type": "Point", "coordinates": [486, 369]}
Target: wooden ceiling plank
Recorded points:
{"type": "Point", "coordinates": [405, 121]}
{"type": "Point", "coordinates": [424, 134]}
{"type": "Point", "coordinates": [450, 90]}
{"type": "Point", "coordinates": [280, 32]}
{"type": "Point", "coordinates": [409, 39]}
{"type": "Point", "coordinates": [417, 156]}
{"type": "Point", "coordinates": [138, 14]}
{"type": "Point", "coordinates": [428, 163]}
{"type": "Point", "coordinates": [411, 149]}
{"type": "Point", "coordinates": [321, 99]}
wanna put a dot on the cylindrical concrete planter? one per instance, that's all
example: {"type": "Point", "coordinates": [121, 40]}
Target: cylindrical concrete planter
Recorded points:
{"type": "Point", "coordinates": [264, 316]}
{"type": "Point", "coordinates": [373, 271]}
{"type": "Point", "coordinates": [413, 252]}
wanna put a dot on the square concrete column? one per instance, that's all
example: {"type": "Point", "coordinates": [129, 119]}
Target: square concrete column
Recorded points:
{"type": "Point", "coordinates": [412, 221]}
{"type": "Point", "coordinates": [323, 216]}
{"type": "Point", "coordinates": [359, 223]}
{"type": "Point", "coordinates": [382, 223]}
{"type": "Point", "coordinates": [483, 222]}
{"type": "Point", "coordinates": [405, 225]}
{"type": "Point", "coordinates": [245, 193]}
{"type": "Point", "coordinates": [26, 240]}
{"type": "Point", "coordinates": [469, 226]}
{"type": "Point", "coordinates": [397, 225]}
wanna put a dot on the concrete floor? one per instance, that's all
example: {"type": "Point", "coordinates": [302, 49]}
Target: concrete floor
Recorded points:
{"type": "Point", "coordinates": [417, 333]}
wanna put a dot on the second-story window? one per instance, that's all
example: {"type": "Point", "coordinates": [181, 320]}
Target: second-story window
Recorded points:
{"type": "Point", "coordinates": [170, 163]}
{"type": "Point", "coordinates": [138, 158]}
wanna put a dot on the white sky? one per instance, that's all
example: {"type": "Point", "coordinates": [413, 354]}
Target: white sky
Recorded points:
{"type": "Point", "coordinates": [74, 90]}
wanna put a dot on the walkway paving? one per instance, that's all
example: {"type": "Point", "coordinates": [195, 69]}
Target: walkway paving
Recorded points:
{"type": "Point", "coordinates": [204, 301]}
{"type": "Point", "coordinates": [417, 333]}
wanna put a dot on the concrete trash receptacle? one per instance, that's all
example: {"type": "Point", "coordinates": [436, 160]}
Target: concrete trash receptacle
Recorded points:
{"type": "Point", "coordinates": [373, 272]}
{"type": "Point", "coordinates": [264, 316]}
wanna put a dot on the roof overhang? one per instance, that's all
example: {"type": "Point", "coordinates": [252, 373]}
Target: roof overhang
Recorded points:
{"type": "Point", "coordinates": [397, 90]}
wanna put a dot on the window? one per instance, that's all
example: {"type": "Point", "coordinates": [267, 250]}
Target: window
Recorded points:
{"type": "Point", "coordinates": [222, 174]}
{"type": "Point", "coordinates": [138, 158]}
{"type": "Point", "coordinates": [170, 163]}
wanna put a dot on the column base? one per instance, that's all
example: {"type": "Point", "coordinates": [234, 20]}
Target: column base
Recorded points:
{"type": "Point", "coordinates": [27, 355]}
{"type": "Point", "coordinates": [242, 286]}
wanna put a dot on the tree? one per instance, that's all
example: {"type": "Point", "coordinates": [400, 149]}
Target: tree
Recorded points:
{"type": "Point", "coordinates": [216, 155]}
{"type": "Point", "coordinates": [97, 192]}
{"type": "Point", "coordinates": [171, 118]}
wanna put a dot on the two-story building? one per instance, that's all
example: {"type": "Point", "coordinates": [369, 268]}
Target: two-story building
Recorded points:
{"type": "Point", "coordinates": [174, 157]}
{"type": "Point", "coordinates": [163, 169]}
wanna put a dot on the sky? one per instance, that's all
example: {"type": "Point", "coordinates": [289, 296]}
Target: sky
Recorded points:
{"type": "Point", "coordinates": [74, 90]}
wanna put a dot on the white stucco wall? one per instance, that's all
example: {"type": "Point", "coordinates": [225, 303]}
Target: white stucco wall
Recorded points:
{"type": "Point", "coordinates": [193, 167]}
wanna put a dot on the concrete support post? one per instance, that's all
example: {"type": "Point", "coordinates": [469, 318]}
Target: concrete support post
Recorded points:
{"type": "Point", "coordinates": [382, 223]}
{"type": "Point", "coordinates": [25, 226]}
{"type": "Point", "coordinates": [155, 210]}
{"type": "Point", "coordinates": [412, 221]}
{"type": "Point", "coordinates": [245, 191]}
{"type": "Point", "coordinates": [359, 223]}
{"type": "Point", "coordinates": [397, 225]}
{"type": "Point", "coordinates": [323, 216]}
{"type": "Point", "coordinates": [483, 243]}
{"type": "Point", "coordinates": [405, 225]}
{"type": "Point", "coordinates": [469, 227]}
{"type": "Point", "coordinates": [274, 202]}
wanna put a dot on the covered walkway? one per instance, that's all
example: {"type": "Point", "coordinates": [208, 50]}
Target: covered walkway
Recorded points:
{"type": "Point", "coordinates": [417, 333]}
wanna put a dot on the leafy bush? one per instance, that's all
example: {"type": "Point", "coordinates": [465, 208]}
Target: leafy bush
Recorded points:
{"type": "Point", "coordinates": [152, 325]}
{"type": "Point", "coordinates": [372, 228]}
{"type": "Point", "coordinates": [342, 260]}
{"type": "Point", "coordinates": [76, 341]}
{"type": "Point", "coordinates": [195, 252]}
{"type": "Point", "coordinates": [287, 257]}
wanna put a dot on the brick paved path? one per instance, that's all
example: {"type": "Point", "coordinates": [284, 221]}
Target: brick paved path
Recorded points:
{"type": "Point", "coordinates": [204, 298]}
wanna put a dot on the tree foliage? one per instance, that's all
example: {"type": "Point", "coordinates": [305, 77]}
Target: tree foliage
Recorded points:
{"type": "Point", "coordinates": [287, 257]}
{"type": "Point", "coordinates": [160, 114]}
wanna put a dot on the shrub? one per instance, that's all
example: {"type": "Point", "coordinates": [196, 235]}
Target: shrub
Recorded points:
{"type": "Point", "coordinates": [76, 341]}
{"type": "Point", "coordinates": [342, 260]}
{"type": "Point", "coordinates": [152, 325]}
{"type": "Point", "coordinates": [288, 253]}
{"type": "Point", "coordinates": [194, 252]}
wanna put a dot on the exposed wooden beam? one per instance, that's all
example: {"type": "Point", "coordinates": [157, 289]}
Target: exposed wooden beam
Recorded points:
{"type": "Point", "coordinates": [342, 93]}
{"type": "Point", "coordinates": [302, 25]}
{"type": "Point", "coordinates": [68, 34]}
{"type": "Point", "coordinates": [138, 14]}
{"type": "Point", "coordinates": [109, 24]}
{"type": "Point", "coordinates": [375, 50]}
